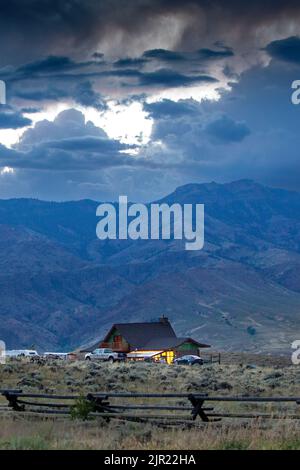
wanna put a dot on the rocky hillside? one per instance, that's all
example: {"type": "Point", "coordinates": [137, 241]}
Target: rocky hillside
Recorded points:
{"type": "Point", "coordinates": [61, 287]}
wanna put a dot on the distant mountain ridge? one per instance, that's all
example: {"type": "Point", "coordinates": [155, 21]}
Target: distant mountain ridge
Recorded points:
{"type": "Point", "coordinates": [60, 286]}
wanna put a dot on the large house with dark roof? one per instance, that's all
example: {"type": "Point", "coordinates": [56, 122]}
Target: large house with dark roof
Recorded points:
{"type": "Point", "coordinates": [155, 340]}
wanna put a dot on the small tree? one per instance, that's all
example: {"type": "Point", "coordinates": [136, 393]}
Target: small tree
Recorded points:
{"type": "Point", "coordinates": [82, 409]}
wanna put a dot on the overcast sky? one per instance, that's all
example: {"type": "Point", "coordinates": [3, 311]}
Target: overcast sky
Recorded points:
{"type": "Point", "coordinates": [138, 97]}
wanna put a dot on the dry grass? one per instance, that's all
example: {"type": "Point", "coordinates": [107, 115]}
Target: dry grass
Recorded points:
{"type": "Point", "coordinates": [58, 434]}
{"type": "Point", "coordinates": [20, 432]}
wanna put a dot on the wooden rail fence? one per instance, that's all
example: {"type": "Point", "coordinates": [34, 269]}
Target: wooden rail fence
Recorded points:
{"type": "Point", "coordinates": [111, 405]}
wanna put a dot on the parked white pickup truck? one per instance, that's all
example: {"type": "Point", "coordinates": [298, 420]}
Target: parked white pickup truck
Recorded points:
{"type": "Point", "coordinates": [102, 354]}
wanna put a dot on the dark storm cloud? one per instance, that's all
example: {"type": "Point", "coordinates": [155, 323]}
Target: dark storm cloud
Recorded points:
{"type": "Point", "coordinates": [98, 55]}
{"type": "Point", "coordinates": [130, 62]}
{"type": "Point", "coordinates": [210, 54]}
{"type": "Point", "coordinates": [11, 119]}
{"type": "Point", "coordinates": [46, 157]}
{"type": "Point", "coordinates": [46, 54]}
{"type": "Point", "coordinates": [86, 96]}
{"type": "Point", "coordinates": [170, 109]}
{"type": "Point", "coordinates": [50, 64]}
{"type": "Point", "coordinates": [268, 153]}
{"type": "Point", "coordinates": [200, 56]}
{"type": "Point", "coordinates": [251, 132]}
{"type": "Point", "coordinates": [225, 129]}
{"type": "Point", "coordinates": [287, 50]}
{"type": "Point", "coordinates": [78, 27]}
{"type": "Point", "coordinates": [164, 55]}
{"type": "Point", "coordinates": [61, 79]}
{"type": "Point", "coordinates": [40, 93]}
{"type": "Point", "coordinates": [62, 68]}
{"type": "Point", "coordinates": [170, 78]}
{"type": "Point", "coordinates": [74, 155]}
{"type": "Point", "coordinates": [88, 144]}
{"type": "Point", "coordinates": [69, 144]}
{"type": "Point", "coordinates": [55, 85]}
{"type": "Point", "coordinates": [188, 129]}
{"type": "Point", "coordinates": [30, 110]}
{"type": "Point", "coordinates": [60, 56]}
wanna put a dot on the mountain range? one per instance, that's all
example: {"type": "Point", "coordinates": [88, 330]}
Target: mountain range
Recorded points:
{"type": "Point", "coordinates": [61, 287]}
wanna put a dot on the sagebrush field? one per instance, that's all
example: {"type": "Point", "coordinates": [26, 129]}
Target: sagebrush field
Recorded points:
{"type": "Point", "coordinates": [18, 431]}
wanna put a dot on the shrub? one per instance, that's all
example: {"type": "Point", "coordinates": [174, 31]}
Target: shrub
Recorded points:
{"type": "Point", "coordinates": [82, 409]}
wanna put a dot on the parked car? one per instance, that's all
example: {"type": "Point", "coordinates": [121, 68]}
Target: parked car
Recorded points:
{"type": "Point", "coordinates": [189, 360]}
{"type": "Point", "coordinates": [55, 355]}
{"type": "Point", "coordinates": [102, 354]}
{"type": "Point", "coordinates": [21, 353]}
{"type": "Point", "coordinates": [122, 357]}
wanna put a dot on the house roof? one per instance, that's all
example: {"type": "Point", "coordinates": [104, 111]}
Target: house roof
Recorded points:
{"type": "Point", "coordinates": [147, 336]}
{"type": "Point", "coordinates": [167, 343]}
{"type": "Point", "coordinates": [139, 334]}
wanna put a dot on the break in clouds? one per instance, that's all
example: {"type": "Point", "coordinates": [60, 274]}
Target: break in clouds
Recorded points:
{"type": "Point", "coordinates": [139, 97]}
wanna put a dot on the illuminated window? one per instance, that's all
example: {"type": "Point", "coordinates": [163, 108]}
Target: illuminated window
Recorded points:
{"type": "Point", "coordinates": [168, 356]}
